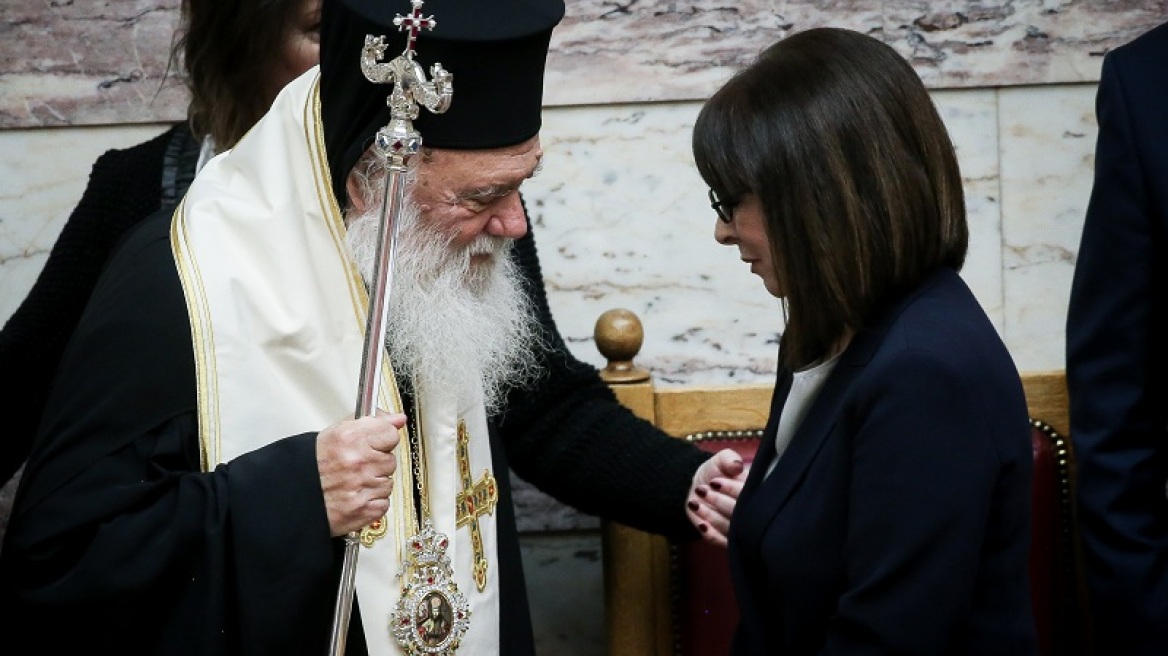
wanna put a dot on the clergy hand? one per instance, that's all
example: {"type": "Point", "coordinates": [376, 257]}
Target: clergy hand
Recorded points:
{"type": "Point", "coordinates": [713, 494]}
{"type": "Point", "coordinates": [356, 464]}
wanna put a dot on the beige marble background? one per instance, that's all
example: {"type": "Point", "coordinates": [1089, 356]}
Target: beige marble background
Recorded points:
{"type": "Point", "coordinates": [1014, 79]}
{"type": "Point", "coordinates": [68, 62]}
{"type": "Point", "coordinates": [620, 216]}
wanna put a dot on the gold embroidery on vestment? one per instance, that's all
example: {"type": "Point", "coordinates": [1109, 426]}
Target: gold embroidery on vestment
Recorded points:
{"type": "Point", "coordinates": [475, 500]}
{"type": "Point", "coordinates": [375, 531]}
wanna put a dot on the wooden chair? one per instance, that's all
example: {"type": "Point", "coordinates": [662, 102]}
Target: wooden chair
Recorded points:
{"type": "Point", "coordinates": [664, 599]}
{"type": "Point", "coordinates": [1058, 587]}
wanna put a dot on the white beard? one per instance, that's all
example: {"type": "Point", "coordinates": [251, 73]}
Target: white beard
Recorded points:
{"type": "Point", "coordinates": [457, 326]}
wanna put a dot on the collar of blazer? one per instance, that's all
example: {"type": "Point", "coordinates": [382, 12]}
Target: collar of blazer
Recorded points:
{"type": "Point", "coordinates": [761, 499]}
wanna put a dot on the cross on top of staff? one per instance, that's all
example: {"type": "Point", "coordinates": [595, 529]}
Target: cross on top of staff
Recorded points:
{"type": "Point", "coordinates": [414, 22]}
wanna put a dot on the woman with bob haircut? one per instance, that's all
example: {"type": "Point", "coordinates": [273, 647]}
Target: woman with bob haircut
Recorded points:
{"type": "Point", "coordinates": [888, 510]}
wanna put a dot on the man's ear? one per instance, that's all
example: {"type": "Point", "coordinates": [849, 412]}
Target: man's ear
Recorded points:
{"type": "Point", "coordinates": [356, 198]}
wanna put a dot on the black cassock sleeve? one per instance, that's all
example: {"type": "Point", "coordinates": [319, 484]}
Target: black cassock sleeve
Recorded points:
{"type": "Point", "coordinates": [567, 435]}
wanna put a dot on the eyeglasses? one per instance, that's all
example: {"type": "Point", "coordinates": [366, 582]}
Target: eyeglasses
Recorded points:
{"type": "Point", "coordinates": [724, 208]}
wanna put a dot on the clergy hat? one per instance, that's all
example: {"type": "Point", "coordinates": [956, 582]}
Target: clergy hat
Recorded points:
{"type": "Point", "coordinates": [494, 49]}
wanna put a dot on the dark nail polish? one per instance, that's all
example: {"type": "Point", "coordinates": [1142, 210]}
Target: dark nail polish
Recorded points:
{"type": "Point", "coordinates": [701, 492]}
{"type": "Point", "coordinates": [715, 485]}
{"type": "Point", "coordinates": [703, 528]}
{"type": "Point", "coordinates": [693, 505]}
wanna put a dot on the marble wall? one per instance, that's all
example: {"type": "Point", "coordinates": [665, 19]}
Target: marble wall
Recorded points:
{"type": "Point", "coordinates": [621, 218]}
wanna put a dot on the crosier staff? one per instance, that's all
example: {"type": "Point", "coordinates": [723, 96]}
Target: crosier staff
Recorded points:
{"type": "Point", "coordinates": [395, 143]}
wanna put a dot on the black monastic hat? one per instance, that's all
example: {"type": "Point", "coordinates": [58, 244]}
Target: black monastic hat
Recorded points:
{"type": "Point", "coordinates": [495, 50]}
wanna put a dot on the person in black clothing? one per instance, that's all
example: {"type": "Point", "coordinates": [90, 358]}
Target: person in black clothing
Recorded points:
{"type": "Point", "coordinates": [191, 479]}
{"type": "Point", "coordinates": [229, 49]}
{"type": "Point", "coordinates": [1117, 355]}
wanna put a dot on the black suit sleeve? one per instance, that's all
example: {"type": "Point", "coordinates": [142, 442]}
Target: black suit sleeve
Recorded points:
{"type": "Point", "coordinates": [1116, 358]}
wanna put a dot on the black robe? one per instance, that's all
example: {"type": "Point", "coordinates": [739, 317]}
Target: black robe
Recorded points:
{"type": "Point", "coordinates": [119, 541]}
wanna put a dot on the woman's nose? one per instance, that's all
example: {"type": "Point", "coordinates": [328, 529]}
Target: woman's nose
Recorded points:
{"type": "Point", "coordinates": [724, 232]}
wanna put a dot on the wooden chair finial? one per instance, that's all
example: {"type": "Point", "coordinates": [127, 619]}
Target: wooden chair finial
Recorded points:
{"type": "Point", "coordinates": [619, 335]}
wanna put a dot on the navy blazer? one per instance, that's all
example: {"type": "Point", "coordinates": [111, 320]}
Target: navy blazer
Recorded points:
{"type": "Point", "coordinates": [1117, 355]}
{"type": "Point", "coordinates": [898, 519]}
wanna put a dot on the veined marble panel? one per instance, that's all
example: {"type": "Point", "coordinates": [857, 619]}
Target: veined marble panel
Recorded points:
{"type": "Point", "coordinates": [955, 43]}
{"type": "Point", "coordinates": [1048, 156]}
{"type": "Point", "coordinates": [79, 63]}
{"type": "Point", "coordinates": [87, 63]}
{"type": "Point", "coordinates": [42, 176]}
{"type": "Point", "coordinates": [664, 50]}
{"type": "Point", "coordinates": [621, 220]}
{"type": "Point", "coordinates": [971, 118]}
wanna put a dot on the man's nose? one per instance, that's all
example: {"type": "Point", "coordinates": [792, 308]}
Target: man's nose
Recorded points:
{"type": "Point", "coordinates": [507, 217]}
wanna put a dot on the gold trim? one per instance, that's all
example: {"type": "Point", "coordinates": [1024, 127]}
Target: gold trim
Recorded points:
{"type": "Point", "coordinates": [202, 339]}
{"type": "Point", "coordinates": [375, 531]}
{"type": "Point", "coordinates": [329, 206]}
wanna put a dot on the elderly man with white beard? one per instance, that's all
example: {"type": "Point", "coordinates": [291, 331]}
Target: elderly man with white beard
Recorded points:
{"type": "Point", "coordinates": [199, 464]}
{"type": "Point", "coordinates": [460, 316]}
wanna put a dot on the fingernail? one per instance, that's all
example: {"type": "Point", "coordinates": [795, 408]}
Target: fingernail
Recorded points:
{"type": "Point", "coordinates": [700, 491]}
{"type": "Point", "coordinates": [692, 505]}
{"type": "Point", "coordinates": [703, 528]}
{"type": "Point", "coordinates": [715, 485]}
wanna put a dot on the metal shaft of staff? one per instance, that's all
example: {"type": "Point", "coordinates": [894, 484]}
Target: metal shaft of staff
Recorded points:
{"type": "Point", "coordinates": [370, 383]}
{"type": "Point", "coordinates": [379, 293]}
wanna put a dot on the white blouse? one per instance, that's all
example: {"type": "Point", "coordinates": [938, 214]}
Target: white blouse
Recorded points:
{"type": "Point", "coordinates": [804, 389]}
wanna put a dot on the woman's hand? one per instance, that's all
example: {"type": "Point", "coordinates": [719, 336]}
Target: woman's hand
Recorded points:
{"type": "Point", "coordinates": [714, 493]}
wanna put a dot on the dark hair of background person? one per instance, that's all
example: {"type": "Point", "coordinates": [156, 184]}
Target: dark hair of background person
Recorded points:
{"type": "Point", "coordinates": [229, 51]}
{"type": "Point", "coordinates": [855, 172]}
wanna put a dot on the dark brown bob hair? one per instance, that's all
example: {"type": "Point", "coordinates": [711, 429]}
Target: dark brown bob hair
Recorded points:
{"type": "Point", "coordinates": [837, 137]}
{"type": "Point", "coordinates": [229, 48]}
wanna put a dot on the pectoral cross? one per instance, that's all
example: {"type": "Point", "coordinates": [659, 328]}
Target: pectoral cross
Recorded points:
{"type": "Point", "coordinates": [475, 500]}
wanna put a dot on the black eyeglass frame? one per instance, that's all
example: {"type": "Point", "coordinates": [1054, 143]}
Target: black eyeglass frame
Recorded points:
{"type": "Point", "coordinates": [724, 208]}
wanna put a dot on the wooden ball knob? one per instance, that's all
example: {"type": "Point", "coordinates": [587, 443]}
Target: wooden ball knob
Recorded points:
{"type": "Point", "coordinates": [619, 335]}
